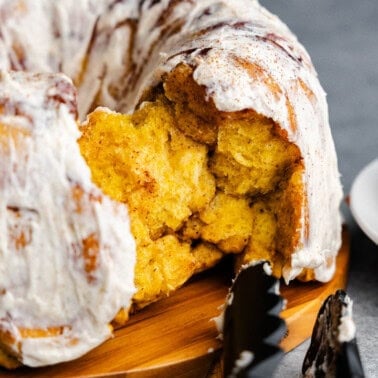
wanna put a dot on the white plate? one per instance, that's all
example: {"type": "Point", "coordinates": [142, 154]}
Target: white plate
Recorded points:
{"type": "Point", "coordinates": [364, 200]}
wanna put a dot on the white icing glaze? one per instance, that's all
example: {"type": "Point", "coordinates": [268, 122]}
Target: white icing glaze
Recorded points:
{"type": "Point", "coordinates": [46, 36]}
{"type": "Point", "coordinates": [245, 358]}
{"type": "Point", "coordinates": [219, 320]}
{"type": "Point", "coordinates": [267, 269]}
{"type": "Point", "coordinates": [229, 298]}
{"type": "Point", "coordinates": [347, 327]}
{"type": "Point", "coordinates": [49, 208]}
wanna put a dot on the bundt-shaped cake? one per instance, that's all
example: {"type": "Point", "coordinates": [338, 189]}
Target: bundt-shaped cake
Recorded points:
{"type": "Point", "coordinates": [206, 121]}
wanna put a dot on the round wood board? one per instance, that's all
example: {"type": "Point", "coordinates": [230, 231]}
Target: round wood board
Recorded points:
{"type": "Point", "coordinates": [175, 337]}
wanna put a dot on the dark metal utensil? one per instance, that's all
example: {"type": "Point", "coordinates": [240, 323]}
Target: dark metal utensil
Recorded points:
{"type": "Point", "coordinates": [332, 353]}
{"type": "Point", "coordinates": [252, 328]}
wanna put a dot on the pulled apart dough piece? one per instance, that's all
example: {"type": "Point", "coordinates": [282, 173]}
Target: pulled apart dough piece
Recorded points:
{"type": "Point", "coordinates": [198, 183]}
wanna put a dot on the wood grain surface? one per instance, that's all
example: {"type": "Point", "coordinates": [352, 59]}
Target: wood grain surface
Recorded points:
{"type": "Point", "coordinates": [176, 337]}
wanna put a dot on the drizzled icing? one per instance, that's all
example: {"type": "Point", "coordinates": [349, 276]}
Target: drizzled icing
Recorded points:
{"type": "Point", "coordinates": [66, 253]}
{"type": "Point", "coordinates": [245, 57]}
{"type": "Point", "coordinates": [347, 327]}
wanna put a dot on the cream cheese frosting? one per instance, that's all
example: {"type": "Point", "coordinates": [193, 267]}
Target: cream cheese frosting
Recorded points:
{"type": "Point", "coordinates": [68, 247]}
{"type": "Point", "coordinates": [347, 327]}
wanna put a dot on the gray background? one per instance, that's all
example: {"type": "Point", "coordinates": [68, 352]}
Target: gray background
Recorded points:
{"type": "Point", "coordinates": [342, 39]}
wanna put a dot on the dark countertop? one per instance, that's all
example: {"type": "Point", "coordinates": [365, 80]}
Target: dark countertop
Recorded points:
{"type": "Point", "coordinates": [342, 39]}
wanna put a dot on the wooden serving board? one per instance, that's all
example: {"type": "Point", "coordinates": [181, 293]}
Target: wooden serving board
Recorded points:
{"type": "Point", "coordinates": [176, 338]}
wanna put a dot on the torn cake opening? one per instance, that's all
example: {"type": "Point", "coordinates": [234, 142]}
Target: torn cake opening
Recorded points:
{"type": "Point", "coordinates": [199, 183]}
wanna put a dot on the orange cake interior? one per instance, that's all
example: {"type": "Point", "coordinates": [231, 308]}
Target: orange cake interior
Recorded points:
{"type": "Point", "coordinates": [198, 183]}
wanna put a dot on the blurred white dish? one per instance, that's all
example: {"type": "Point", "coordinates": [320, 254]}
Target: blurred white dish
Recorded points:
{"type": "Point", "coordinates": [364, 200]}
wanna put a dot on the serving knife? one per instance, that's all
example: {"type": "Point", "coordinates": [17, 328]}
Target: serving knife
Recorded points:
{"type": "Point", "coordinates": [252, 328]}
